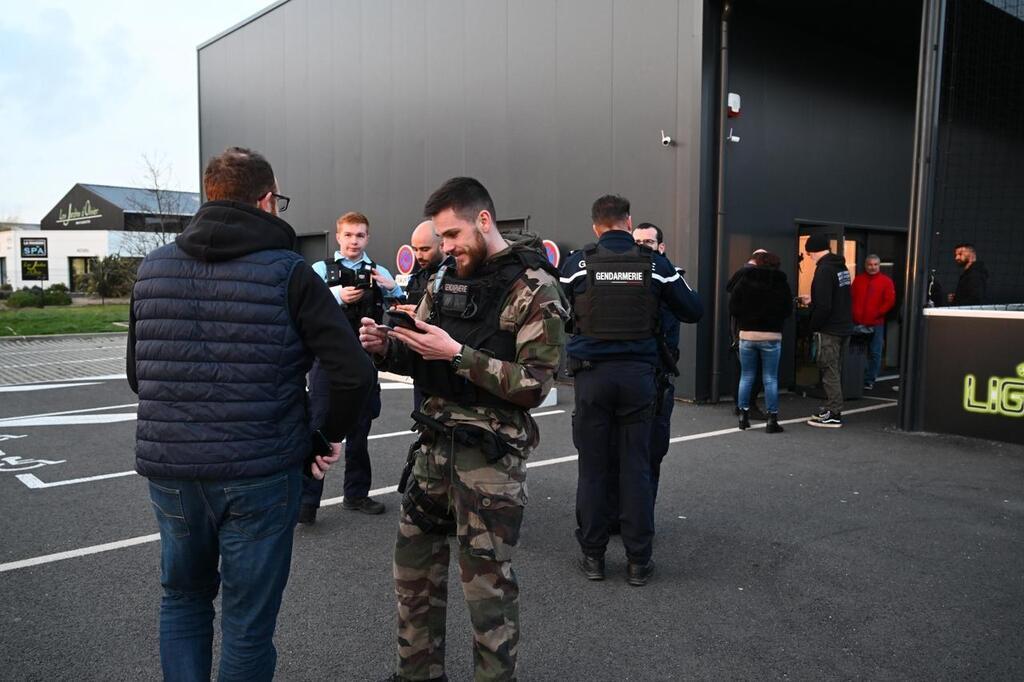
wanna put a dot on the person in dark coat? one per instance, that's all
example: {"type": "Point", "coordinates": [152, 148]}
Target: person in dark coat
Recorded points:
{"type": "Point", "coordinates": [224, 324]}
{"type": "Point", "coordinates": [761, 301]}
{"type": "Point", "coordinates": [737, 370]}
{"type": "Point", "coordinates": [970, 288]}
{"type": "Point", "coordinates": [832, 320]}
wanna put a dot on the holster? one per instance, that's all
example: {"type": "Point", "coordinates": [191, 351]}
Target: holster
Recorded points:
{"type": "Point", "coordinates": [429, 516]}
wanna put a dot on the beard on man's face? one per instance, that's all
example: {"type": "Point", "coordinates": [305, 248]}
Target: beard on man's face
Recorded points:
{"type": "Point", "coordinates": [472, 256]}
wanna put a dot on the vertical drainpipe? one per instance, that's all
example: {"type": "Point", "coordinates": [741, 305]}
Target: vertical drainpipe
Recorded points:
{"type": "Point", "coordinates": [716, 291]}
{"type": "Point", "coordinates": [926, 126]}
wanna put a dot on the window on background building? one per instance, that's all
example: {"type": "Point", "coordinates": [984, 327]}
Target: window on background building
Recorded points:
{"type": "Point", "coordinates": [78, 267]}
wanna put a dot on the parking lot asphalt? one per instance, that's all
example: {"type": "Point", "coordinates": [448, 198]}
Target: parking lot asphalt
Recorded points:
{"type": "Point", "coordinates": [863, 552]}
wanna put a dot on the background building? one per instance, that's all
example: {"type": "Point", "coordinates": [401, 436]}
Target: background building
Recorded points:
{"type": "Point", "coordinates": [90, 222]}
{"type": "Point", "coordinates": [732, 125]}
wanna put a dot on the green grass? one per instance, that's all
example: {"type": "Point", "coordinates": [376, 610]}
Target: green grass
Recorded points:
{"type": "Point", "coordinates": [63, 320]}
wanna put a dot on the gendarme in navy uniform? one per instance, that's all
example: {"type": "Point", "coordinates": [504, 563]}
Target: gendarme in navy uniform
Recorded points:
{"type": "Point", "coordinates": [617, 289]}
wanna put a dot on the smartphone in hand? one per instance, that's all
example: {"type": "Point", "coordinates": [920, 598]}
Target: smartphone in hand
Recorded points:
{"type": "Point", "coordinates": [319, 445]}
{"type": "Point", "coordinates": [399, 318]}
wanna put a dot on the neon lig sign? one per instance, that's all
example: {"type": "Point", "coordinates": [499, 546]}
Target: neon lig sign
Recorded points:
{"type": "Point", "coordinates": [1004, 395]}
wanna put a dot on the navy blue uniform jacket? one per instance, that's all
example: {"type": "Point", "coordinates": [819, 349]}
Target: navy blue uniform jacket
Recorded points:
{"type": "Point", "coordinates": [668, 286]}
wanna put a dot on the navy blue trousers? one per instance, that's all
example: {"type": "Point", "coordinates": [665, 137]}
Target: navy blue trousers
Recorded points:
{"type": "Point", "coordinates": [358, 474]}
{"type": "Point", "coordinates": [612, 423]}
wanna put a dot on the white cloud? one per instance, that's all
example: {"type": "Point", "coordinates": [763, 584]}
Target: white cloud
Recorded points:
{"type": "Point", "coordinates": [88, 88]}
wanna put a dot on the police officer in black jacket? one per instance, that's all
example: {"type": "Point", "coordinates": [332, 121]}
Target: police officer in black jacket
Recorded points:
{"type": "Point", "coordinates": [616, 288]}
{"type": "Point", "coordinates": [426, 247]}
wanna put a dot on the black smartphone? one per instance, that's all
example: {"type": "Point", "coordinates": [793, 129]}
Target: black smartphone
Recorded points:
{"type": "Point", "coordinates": [319, 445]}
{"type": "Point", "coordinates": [398, 318]}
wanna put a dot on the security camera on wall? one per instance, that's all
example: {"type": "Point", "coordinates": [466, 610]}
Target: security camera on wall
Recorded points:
{"type": "Point", "coordinates": [666, 141]}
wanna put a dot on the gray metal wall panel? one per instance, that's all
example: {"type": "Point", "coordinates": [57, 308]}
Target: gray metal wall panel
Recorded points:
{"type": "Point", "coordinates": [584, 118]}
{"type": "Point", "coordinates": [644, 77]}
{"type": "Point", "coordinates": [533, 115]}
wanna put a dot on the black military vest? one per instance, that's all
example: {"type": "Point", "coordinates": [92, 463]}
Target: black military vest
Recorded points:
{"type": "Point", "coordinates": [470, 311]}
{"type": "Point", "coordinates": [618, 303]}
{"type": "Point", "coordinates": [370, 305]}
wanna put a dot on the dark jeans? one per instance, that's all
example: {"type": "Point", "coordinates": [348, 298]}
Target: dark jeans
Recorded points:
{"type": "Point", "coordinates": [246, 525]}
{"type": "Point", "coordinates": [830, 363]}
{"type": "Point", "coordinates": [874, 365]}
{"type": "Point", "coordinates": [358, 473]}
{"type": "Point", "coordinates": [612, 421]}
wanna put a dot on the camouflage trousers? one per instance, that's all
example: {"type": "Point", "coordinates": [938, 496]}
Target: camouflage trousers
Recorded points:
{"type": "Point", "coordinates": [486, 501]}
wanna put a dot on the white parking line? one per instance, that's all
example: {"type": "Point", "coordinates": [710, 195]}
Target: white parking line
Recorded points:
{"type": "Point", "coordinates": [62, 362]}
{"type": "Point", "coordinates": [143, 539]}
{"type": "Point", "coordinates": [33, 482]}
{"type": "Point", "coordinates": [42, 387]}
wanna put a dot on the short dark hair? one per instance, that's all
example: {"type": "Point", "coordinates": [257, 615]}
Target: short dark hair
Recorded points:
{"type": "Point", "coordinates": [238, 174]}
{"type": "Point", "coordinates": [651, 226]}
{"type": "Point", "coordinates": [609, 210]}
{"type": "Point", "coordinates": [466, 196]}
{"type": "Point", "coordinates": [767, 259]}
{"type": "Point", "coordinates": [965, 245]}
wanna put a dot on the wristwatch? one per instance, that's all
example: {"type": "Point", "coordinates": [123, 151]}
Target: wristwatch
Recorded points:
{"type": "Point", "coordinates": [457, 359]}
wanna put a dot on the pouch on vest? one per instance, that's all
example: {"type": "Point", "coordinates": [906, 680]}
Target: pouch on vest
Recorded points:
{"type": "Point", "coordinates": [618, 303]}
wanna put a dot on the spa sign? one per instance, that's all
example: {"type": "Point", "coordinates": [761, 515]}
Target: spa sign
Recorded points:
{"type": "Point", "coordinates": [33, 247]}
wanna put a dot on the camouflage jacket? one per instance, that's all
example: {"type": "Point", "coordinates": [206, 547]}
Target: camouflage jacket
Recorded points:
{"type": "Point", "coordinates": [535, 310]}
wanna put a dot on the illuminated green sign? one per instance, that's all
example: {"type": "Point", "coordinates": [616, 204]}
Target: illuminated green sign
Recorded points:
{"type": "Point", "coordinates": [1004, 395]}
{"type": "Point", "coordinates": [74, 215]}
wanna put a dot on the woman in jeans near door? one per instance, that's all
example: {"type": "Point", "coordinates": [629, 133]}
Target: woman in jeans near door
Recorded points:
{"type": "Point", "coordinates": [761, 301]}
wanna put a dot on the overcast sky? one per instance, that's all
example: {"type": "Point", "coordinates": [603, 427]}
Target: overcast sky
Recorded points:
{"type": "Point", "coordinates": [87, 87]}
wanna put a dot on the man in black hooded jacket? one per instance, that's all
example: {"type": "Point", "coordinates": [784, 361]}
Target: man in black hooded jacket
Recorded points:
{"type": "Point", "coordinates": [223, 327]}
{"type": "Point", "coordinates": [832, 321]}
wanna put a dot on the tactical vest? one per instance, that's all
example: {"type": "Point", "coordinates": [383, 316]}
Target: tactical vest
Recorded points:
{"type": "Point", "coordinates": [470, 311]}
{"type": "Point", "coordinates": [368, 306]}
{"type": "Point", "coordinates": [618, 303]}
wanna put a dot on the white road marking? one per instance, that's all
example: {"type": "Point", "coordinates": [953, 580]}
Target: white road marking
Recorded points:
{"type": "Point", "coordinates": [101, 377]}
{"type": "Point", "coordinates": [143, 539]}
{"type": "Point", "coordinates": [42, 387]}
{"type": "Point", "coordinates": [85, 551]}
{"type": "Point", "coordinates": [63, 362]}
{"type": "Point", "coordinates": [71, 420]}
{"type": "Point", "coordinates": [31, 481]}
{"type": "Point", "coordinates": [799, 420]}
{"type": "Point", "coordinates": [59, 350]}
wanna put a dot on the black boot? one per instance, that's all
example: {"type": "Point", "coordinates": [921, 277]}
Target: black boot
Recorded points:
{"type": "Point", "coordinates": [773, 423]}
{"type": "Point", "coordinates": [744, 419]}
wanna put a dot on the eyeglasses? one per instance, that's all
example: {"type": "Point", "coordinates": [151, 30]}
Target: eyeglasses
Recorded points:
{"type": "Point", "coordinates": [282, 201]}
{"type": "Point", "coordinates": [648, 242]}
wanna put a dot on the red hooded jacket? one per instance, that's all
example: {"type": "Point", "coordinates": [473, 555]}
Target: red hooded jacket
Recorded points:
{"type": "Point", "coordinates": [873, 296]}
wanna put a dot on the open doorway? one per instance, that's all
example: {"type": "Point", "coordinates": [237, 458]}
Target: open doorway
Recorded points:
{"type": "Point", "coordinates": [855, 243]}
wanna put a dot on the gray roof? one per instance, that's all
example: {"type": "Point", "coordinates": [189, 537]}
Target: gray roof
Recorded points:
{"type": "Point", "coordinates": [142, 200]}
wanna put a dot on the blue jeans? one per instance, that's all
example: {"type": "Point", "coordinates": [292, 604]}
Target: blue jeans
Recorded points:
{"type": "Point", "coordinates": [874, 365]}
{"type": "Point", "coordinates": [246, 525]}
{"type": "Point", "coordinates": [768, 352]}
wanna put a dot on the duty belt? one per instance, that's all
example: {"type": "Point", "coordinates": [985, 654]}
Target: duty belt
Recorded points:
{"type": "Point", "coordinates": [430, 516]}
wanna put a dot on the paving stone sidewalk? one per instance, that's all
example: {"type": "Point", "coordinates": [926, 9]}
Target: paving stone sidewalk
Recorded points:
{"type": "Point", "coordinates": [60, 357]}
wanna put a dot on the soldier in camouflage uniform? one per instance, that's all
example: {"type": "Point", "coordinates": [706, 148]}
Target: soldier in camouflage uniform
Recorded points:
{"type": "Point", "coordinates": [486, 350]}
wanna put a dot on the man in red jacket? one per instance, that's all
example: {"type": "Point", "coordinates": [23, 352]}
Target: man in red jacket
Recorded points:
{"type": "Point", "coordinates": [874, 295]}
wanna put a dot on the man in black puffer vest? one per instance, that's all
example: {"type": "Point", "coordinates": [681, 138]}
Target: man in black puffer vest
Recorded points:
{"type": "Point", "coordinates": [223, 328]}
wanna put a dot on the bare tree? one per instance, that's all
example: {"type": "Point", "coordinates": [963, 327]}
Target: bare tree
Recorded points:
{"type": "Point", "coordinates": [162, 212]}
